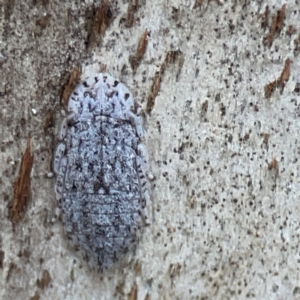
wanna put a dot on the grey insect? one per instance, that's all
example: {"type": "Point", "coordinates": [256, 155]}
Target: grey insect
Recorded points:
{"type": "Point", "coordinates": [100, 163]}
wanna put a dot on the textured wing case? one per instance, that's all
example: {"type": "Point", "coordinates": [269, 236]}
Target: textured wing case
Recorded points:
{"type": "Point", "coordinates": [99, 166]}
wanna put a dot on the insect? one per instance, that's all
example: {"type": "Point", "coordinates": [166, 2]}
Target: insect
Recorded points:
{"type": "Point", "coordinates": [100, 165]}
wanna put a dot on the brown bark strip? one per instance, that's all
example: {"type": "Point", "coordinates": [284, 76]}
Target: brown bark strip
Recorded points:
{"type": "Point", "coordinates": [269, 89]}
{"type": "Point", "coordinates": [273, 165]}
{"type": "Point", "coordinates": [276, 26]}
{"type": "Point", "coordinates": [265, 18]}
{"type": "Point", "coordinates": [171, 58]}
{"type": "Point", "coordinates": [285, 74]}
{"type": "Point", "coordinates": [266, 138]}
{"type": "Point", "coordinates": [22, 185]}
{"type": "Point", "coordinates": [154, 91]}
{"type": "Point", "coordinates": [103, 18]}
{"type": "Point", "coordinates": [198, 3]}
{"type": "Point", "coordinates": [133, 293]}
{"type": "Point", "coordinates": [48, 122]}
{"type": "Point", "coordinates": [69, 87]}
{"type": "Point", "coordinates": [132, 9]}
{"type": "Point", "coordinates": [45, 280]}
{"type": "Point", "coordinates": [36, 296]}
{"type": "Point", "coordinates": [136, 59]}
{"type": "Point", "coordinates": [281, 81]}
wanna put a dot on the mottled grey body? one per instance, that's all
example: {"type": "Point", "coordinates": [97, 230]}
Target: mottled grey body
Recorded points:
{"type": "Point", "coordinates": [100, 167]}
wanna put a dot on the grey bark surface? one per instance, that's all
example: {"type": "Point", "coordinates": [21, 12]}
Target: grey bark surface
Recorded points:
{"type": "Point", "coordinates": [225, 196]}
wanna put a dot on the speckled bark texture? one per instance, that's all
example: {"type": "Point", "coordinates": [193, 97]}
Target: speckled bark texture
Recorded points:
{"type": "Point", "coordinates": [218, 86]}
